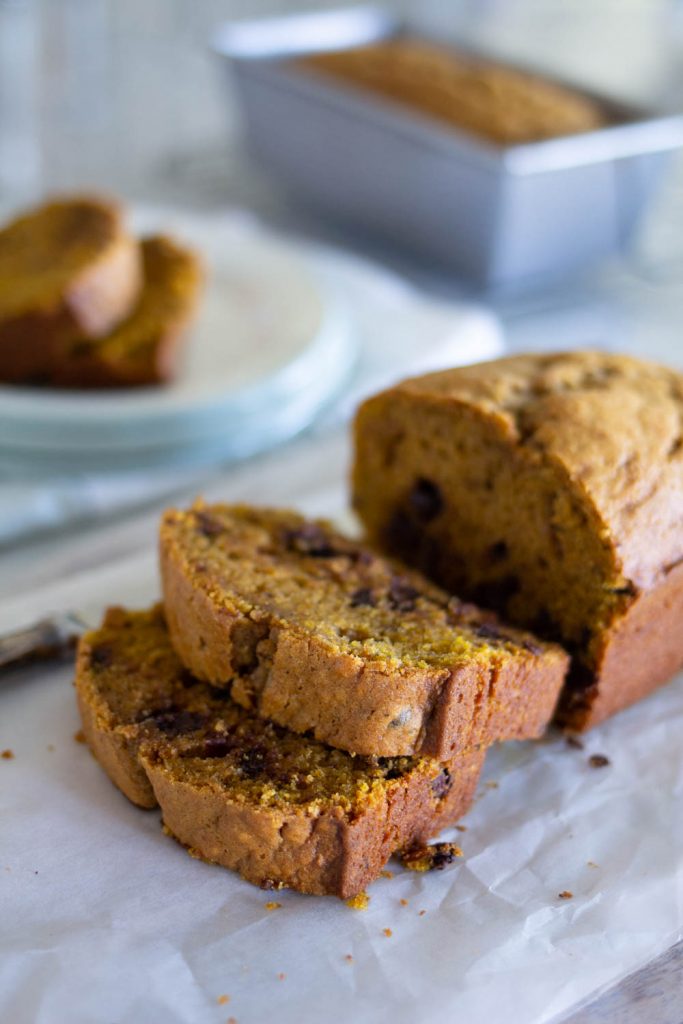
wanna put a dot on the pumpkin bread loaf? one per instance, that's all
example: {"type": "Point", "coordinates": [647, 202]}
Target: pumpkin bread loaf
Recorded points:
{"type": "Point", "coordinates": [549, 487]}
{"type": "Point", "coordinates": [321, 635]}
{"type": "Point", "coordinates": [239, 791]}
{"type": "Point", "coordinates": [478, 96]}
{"type": "Point", "coordinates": [144, 348]}
{"type": "Point", "coordinates": [68, 271]}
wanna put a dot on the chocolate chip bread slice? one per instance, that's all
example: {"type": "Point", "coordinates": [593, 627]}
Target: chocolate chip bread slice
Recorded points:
{"type": "Point", "coordinates": [68, 271]}
{"type": "Point", "coordinates": [239, 791]}
{"type": "Point", "coordinates": [144, 348]}
{"type": "Point", "coordinates": [318, 633]}
{"type": "Point", "coordinates": [551, 488]}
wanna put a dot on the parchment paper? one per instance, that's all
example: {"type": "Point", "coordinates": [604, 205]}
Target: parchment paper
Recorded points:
{"type": "Point", "coordinates": [104, 919]}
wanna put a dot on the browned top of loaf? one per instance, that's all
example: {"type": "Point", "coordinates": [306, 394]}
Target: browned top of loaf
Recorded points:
{"type": "Point", "coordinates": [273, 565]}
{"type": "Point", "coordinates": [136, 351]}
{"type": "Point", "coordinates": [490, 100]}
{"type": "Point", "coordinates": [43, 252]}
{"type": "Point", "coordinates": [130, 675]}
{"type": "Point", "coordinates": [611, 423]}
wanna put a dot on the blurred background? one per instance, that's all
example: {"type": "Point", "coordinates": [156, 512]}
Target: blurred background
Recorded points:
{"type": "Point", "coordinates": [126, 95]}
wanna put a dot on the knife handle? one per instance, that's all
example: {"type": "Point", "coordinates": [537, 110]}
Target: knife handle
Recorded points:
{"type": "Point", "coordinates": [51, 637]}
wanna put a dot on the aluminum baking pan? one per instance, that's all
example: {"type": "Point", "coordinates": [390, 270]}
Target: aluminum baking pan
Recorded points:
{"type": "Point", "coordinates": [500, 216]}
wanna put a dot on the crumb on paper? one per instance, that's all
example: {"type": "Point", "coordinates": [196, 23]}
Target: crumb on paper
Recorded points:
{"type": "Point", "coordinates": [232, 1020]}
{"type": "Point", "coordinates": [359, 902]}
{"type": "Point", "coordinates": [575, 742]}
{"type": "Point", "coordinates": [592, 864]}
{"type": "Point", "coordinates": [404, 903]}
{"type": "Point", "coordinates": [422, 913]}
{"type": "Point", "coordinates": [51, 748]}
{"type": "Point", "coordinates": [7, 755]}
{"type": "Point", "coordinates": [460, 828]}
{"type": "Point", "coordinates": [388, 932]}
{"type": "Point", "coordinates": [348, 958]}
{"type": "Point", "coordinates": [434, 857]}
{"type": "Point", "coordinates": [566, 895]}
{"type": "Point", "coordinates": [491, 784]}
{"type": "Point", "coordinates": [222, 1000]}
{"type": "Point", "coordinates": [281, 976]}
{"type": "Point", "coordinates": [598, 761]}
{"type": "Point", "coordinates": [386, 874]}
{"type": "Point", "coordinates": [273, 905]}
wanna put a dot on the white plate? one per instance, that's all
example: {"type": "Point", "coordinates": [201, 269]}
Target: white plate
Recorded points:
{"type": "Point", "coordinates": [269, 349]}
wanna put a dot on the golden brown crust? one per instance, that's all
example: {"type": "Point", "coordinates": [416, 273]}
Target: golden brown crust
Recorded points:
{"type": "Point", "coordinates": [229, 785]}
{"type": "Point", "coordinates": [478, 96]}
{"type": "Point", "coordinates": [234, 624]}
{"type": "Point", "coordinates": [560, 493]}
{"type": "Point", "coordinates": [144, 348]}
{"type": "Point", "coordinates": [68, 271]}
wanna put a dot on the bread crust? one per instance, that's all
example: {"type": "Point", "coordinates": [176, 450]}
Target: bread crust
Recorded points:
{"type": "Point", "coordinates": [96, 290]}
{"type": "Point", "coordinates": [599, 437]}
{"type": "Point", "coordinates": [314, 848]}
{"type": "Point", "coordinates": [366, 707]}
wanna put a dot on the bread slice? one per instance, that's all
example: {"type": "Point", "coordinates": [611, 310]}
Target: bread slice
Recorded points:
{"type": "Point", "coordinates": [68, 270]}
{"type": "Point", "coordinates": [144, 348]}
{"type": "Point", "coordinates": [239, 791]}
{"type": "Point", "coordinates": [320, 634]}
{"type": "Point", "coordinates": [551, 488]}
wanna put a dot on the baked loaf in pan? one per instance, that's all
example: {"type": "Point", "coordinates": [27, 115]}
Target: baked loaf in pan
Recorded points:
{"type": "Point", "coordinates": [144, 348]}
{"type": "Point", "coordinates": [549, 487]}
{"type": "Point", "coordinates": [478, 96]}
{"type": "Point", "coordinates": [239, 791]}
{"type": "Point", "coordinates": [69, 271]}
{"type": "Point", "coordinates": [321, 635]}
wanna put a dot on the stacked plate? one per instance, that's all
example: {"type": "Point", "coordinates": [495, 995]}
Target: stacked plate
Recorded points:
{"type": "Point", "coordinates": [270, 349]}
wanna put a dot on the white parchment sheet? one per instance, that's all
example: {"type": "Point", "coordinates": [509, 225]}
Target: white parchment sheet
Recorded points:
{"type": "Point", "coordinates": [104, 919]}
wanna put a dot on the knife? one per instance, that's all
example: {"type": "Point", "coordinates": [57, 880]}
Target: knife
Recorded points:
{"type": "Point", "coordinates": [51, 637]}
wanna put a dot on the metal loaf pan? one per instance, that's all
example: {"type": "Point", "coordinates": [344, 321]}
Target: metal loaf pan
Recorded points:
{"type": "Point", "coordinates": [498, 216]}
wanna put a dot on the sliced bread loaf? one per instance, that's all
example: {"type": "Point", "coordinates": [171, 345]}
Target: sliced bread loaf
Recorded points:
{"type": "Point", "coordinates": [320, 634]}
{"type": "Point", "coordinates": [280, 809]}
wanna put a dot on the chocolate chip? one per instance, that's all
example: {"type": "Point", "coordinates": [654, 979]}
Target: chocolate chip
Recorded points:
{"type": "Point", "coordinates": [172, 722]}
{"type": "Point", "coordinates": [598, 761]}
{"type": "Point", "coordinates": [362, 598]}
{"type": "Point", "coordinates": [402, 596]}
{"type": "Point", "coordinates": [444, 854]}
{"type": "Point", "coordinates": [208, 525]}
{"type": "Point", "coordinates": [310, 539]}
{"type": "Point", "coordinates": [425, 500]}
{"type": "Point", "coordinates": [253, 763]}
{"type": "Point", "coordinates": [217, 744]}
{"type": "Point", "coordinates": [101, 656]}
{"type": "Point", "coordinates": [442, 784]}
{"type": "Point", "coordinates": [487, 631]}
{"type": "Point", "coordinates": [498, 552]}
{"type": "Point", "coordinates": [187, 680]}
{"type": "Point", "coordinates": [533, 648]}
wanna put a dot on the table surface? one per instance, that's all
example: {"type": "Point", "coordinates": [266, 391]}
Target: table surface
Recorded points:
{"type": "Point", "coordinates": [169, 145]}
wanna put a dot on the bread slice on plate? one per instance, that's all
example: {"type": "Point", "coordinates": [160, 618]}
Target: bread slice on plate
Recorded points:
{"type": "Point", "coordinates": [322, 635]}
{"type": "Point", "coordinates": [144, 349]}
{"type": "Point", "coordinates": [69, 270]}
{"type": "Point", "coordinates": [551, 488]}
{"type": "Point", "coordinates": [280, 809]}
